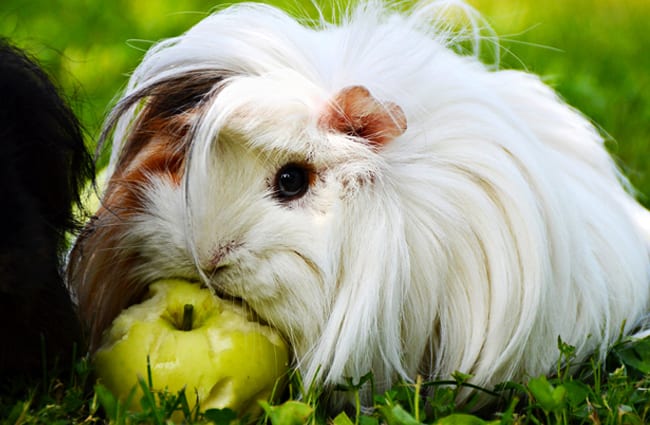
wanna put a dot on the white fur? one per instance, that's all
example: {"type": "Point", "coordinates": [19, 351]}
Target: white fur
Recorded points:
{"type": "Point", "coordinates": [496, 223]}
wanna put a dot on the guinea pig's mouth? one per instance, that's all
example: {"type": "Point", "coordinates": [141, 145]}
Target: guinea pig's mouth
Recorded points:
{"type": "Point", "coordinates": [238, 301]}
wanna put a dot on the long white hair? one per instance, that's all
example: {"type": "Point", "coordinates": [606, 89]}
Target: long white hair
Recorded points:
{"type": "Point", "coordinates": [456, 217]}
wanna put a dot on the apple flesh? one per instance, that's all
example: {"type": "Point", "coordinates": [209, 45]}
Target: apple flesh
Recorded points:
{"type": "Point", "coordinates": [224, 357]}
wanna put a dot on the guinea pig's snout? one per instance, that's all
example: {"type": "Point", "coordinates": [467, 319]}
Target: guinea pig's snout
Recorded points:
{"type": "Point", "coordinates": [221, 257]}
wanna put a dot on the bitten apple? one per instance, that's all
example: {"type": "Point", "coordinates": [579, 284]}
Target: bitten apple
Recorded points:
{"type": "Point", "coordinates": [219, 354]}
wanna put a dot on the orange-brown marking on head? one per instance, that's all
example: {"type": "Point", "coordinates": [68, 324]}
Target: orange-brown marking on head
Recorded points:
{"type": "Point", "coordinates": [159, 141]}
{"type": "Point", "coordinates": [101, 265]}
{"type": "Point", "coordinates": [162, 146]}
{"type": "Point", "coordinates": [354, 111]}
{"type": "Point", "coordinates": [103, 269]}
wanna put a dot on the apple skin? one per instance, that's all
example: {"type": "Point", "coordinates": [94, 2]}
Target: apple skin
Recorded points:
{"type": "Point", "coordinates": [226, 359]}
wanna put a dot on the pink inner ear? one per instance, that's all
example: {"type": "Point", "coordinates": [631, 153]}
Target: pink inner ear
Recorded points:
{"type": "Point", "coordinates": [354, 111]}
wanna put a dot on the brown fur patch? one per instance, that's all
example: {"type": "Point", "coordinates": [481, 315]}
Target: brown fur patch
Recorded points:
{"type": "Point", "coordinates": [102, 270]}
{"type": "Point", "coordinates": [99, 272]}
{"type": "Point", "coordinates": [101, 266]}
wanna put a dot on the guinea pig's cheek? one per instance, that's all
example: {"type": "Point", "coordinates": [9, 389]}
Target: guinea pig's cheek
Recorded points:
{"type": "Point", "coordinates": [260, 285]}
{"type": "Point", "coordinates": [256, 284]}
{"type": "Point", "coordinates": [237, 280]}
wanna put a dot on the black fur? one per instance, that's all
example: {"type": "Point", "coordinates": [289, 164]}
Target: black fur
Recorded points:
{"type": "Point", "coordinates": [43, 166]}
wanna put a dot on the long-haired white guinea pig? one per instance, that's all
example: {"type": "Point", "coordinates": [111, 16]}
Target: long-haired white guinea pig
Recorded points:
{"type": "Point", "coordinates": [388, 204]}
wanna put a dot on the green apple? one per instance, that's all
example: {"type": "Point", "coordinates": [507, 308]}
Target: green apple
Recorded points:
{"type": "Point", "coordinates": [195, 340]}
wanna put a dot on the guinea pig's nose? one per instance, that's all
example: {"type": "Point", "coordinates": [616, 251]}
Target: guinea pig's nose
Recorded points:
{"type": "Point", "coordinates": [221, 256]}
{"type": "Point", "coordinates": [211, 269]}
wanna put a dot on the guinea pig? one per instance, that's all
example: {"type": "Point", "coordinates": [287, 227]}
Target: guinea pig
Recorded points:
{"type": "Point", "coordinates": [389, 204]}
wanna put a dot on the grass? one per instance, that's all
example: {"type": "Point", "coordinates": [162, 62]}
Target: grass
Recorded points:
{"type": "Point", "coordinates": [589, 50]}
{"type": "Point", "coordinates": [613, 393]}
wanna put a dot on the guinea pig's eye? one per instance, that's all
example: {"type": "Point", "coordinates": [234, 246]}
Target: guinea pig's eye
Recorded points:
{"type": "Point", "coordinates": [291, 182]}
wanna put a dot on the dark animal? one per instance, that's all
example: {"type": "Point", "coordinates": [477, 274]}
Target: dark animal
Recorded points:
{"type": "Point", "coordinates": [43, 167]}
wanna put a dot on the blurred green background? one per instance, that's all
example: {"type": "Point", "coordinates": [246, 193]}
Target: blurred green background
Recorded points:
{"type": "Point", "coordinates": [594, 52]}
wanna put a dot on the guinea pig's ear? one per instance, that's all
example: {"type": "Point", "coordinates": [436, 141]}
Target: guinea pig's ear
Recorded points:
{"type": "Point", "coordinates": [355, 112]}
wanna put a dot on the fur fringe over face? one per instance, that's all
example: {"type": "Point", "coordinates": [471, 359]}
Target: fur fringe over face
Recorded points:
{"type": "Point", "coordinates": [388, 204]}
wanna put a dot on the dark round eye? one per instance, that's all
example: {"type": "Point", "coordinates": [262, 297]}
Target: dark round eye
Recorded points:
{"type": "Point", "coordinates": [291, 182]}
